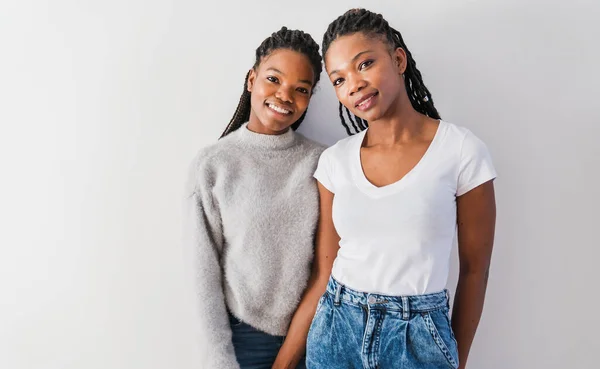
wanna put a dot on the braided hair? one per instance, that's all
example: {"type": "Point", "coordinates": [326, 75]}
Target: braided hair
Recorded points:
{"type": "Point", "coordinates": [294, 40]}
{"type": "Point", "coordinates": [374, 25]}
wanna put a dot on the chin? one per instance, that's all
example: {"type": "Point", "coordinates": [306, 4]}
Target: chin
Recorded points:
{"type": "Point", "coordinates": [360, 114]}
{"type": "Point", "coordinates": [371, 116]}
{"type": "Point", "coordinates": [367, 117]}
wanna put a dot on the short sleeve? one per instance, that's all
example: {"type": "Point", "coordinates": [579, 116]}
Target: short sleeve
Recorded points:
{"type": "Point", "coordinates": [324, 172]}
{"type": "Point", "coordinates": [475, 166]}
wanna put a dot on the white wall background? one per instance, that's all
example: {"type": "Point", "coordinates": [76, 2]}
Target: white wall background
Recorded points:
{"type": "Point", "coordinates": [104, 103]}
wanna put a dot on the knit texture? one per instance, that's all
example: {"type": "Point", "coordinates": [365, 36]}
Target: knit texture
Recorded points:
{"type": "Point", "coordinates": [251, 210]}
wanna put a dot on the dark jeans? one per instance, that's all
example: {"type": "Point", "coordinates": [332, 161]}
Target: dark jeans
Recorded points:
{"type": "Point", "coordinates": [255, 349]}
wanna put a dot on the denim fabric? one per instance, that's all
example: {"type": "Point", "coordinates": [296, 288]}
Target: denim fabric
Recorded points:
{"type": "Point", "coordinates": [353, 330]}
{"type": "Point", "coordinates": [255, 349]}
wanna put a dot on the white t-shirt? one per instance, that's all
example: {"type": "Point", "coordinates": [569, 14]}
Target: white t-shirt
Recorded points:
{"type": "Point", "coordinates": [396, 239]}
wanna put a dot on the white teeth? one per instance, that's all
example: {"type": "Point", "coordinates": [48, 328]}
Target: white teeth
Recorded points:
{"type": "Point", "coordinates": [278, 109]}
{"type": "Point", "coordinates": [365, 101]}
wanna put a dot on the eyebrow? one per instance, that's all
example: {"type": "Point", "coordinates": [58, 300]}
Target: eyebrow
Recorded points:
{"type": "Point", "coordinates": [283, 74]}
{"type": "Point", "coordinates": [353, 60]}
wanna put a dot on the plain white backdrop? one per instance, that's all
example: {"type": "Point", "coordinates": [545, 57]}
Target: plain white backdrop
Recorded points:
{"type": "Point", "coordinates": [104, 103]}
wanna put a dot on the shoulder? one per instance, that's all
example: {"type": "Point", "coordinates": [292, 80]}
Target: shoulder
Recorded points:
{"type": "Point", "coordinates": [312, 148]}
{"type": "Point", "coordinates": [454, 133]}
{"type": "Point", "coordinates": [343, 148]}
{"type": "Point", "coordinates": [215, 154]}
{"type": "Point", "coordinates": [463, 139]}
{"type": "Point", "coordinates": [208, 161]}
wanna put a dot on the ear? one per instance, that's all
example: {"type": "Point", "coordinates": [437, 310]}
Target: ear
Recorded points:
{"type": "Point", "coordinates": [400, 58]}
{"type": "Point", "coordinates": [251, 79]}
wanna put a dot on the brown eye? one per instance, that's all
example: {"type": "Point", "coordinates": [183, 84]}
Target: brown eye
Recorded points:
{"type": "Point", "coordinates": [272, 79]}
{"type": "Point", "coordinates": [365, 64]}
{"type": "Point", "coordinates": [338, 81]}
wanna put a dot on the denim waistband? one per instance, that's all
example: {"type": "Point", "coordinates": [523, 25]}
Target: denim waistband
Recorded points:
{"type": "Point", "coordinates": [406, 304]}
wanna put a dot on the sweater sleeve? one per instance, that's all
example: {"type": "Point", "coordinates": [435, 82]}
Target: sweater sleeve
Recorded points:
{"type": "Point", "coordinates": [203, 242]}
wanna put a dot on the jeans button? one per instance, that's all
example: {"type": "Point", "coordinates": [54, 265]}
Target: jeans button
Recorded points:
{"type": "Point", "coordinates": [372, 299]}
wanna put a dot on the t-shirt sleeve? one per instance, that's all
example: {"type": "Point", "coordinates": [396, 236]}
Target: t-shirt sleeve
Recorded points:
{"type": "Point", "coordinates": [324, 172]}
{"type": "Point", "coordinates": [475, 166]}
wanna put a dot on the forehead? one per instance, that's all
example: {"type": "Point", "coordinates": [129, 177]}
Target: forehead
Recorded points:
{"type": "Point", "coordinates": [344, 48]}
{"type": "Point", "coordinates": [289, 62]}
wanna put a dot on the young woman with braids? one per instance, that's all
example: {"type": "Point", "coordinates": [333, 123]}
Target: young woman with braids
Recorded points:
{"type": "Point", "coordinates": [392, 197]}
{"type": "Point", "coordinates": [252, 210]}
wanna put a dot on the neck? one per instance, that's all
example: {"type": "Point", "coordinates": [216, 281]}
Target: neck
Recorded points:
{"type": "Point", "coordinates": [255, 125]}
{"type": "Point", "coordinates": [401, 124]}
{"type": "Point", "coordinates": [249, 138]}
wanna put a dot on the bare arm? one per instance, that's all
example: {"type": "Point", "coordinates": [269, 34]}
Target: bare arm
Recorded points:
{"type": "Point", "coordinates": [476, 216]}
{"type": "Point", "coordinates": [327, 246]}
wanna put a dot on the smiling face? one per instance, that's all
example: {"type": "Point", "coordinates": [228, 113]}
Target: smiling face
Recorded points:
{"type": "Point", "coordinates": [281, 87]}
{"type": "Point", "coordinates": [367, 75]}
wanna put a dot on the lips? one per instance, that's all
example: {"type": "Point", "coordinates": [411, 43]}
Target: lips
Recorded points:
{"type": "Point", "coordinates": [366, 101]}
{"type": "Point", "coordinates": [279, 109]}
{"type": "Point", "coordinates": [365, 98]}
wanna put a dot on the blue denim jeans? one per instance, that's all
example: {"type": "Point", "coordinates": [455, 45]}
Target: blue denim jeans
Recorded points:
{"type": "Point", "coordinates": [353, 330]}
{"type": "Point", "coordinates": [255, 349]}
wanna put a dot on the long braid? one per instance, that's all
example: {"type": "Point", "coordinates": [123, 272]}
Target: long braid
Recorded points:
{"type": "Point", "coordinates": [361, 122]}
{"type": "Point", "coordinates": [344, 121]}
{"type": "Point", "coordinates": [242, 112]}
{"type": "Point", "coordinates": [352, 120]}
{"type": "Point", "coordinates": [295, 40]}
{"type": "Point", "coordinates": [364, 123]}
{"type": "Point", "coordinates": [373, 24]}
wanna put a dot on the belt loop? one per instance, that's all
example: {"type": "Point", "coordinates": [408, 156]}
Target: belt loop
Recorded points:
{"type": "Point", "coordinates": [447, 299]}
{"type": "Point", "coordinates": [405, 308]}
{"type": "Point", "coordinates": [338, 290]}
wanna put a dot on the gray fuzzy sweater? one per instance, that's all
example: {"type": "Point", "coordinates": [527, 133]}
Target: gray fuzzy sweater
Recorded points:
{"type": "Point", "coordinates": [251, 210]}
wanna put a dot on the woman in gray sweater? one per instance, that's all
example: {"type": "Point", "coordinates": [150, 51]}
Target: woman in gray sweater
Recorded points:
{"type": "Point", "coordinates": [251, 210]}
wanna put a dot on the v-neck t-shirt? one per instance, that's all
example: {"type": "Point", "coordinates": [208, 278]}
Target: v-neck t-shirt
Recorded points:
{"type": "Point", "coordinates": [397, 239]}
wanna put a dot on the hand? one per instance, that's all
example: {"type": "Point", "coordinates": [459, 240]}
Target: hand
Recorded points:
{"type": "Point", "coordinates": [285, 360]}
{"type": "Point", "coordinates": [283, 364]}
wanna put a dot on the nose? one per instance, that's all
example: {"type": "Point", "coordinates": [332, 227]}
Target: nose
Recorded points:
{"type": "Point", "coordinates": [356, 83]}
{"type": "Point", "coordinates": [283, 93]}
